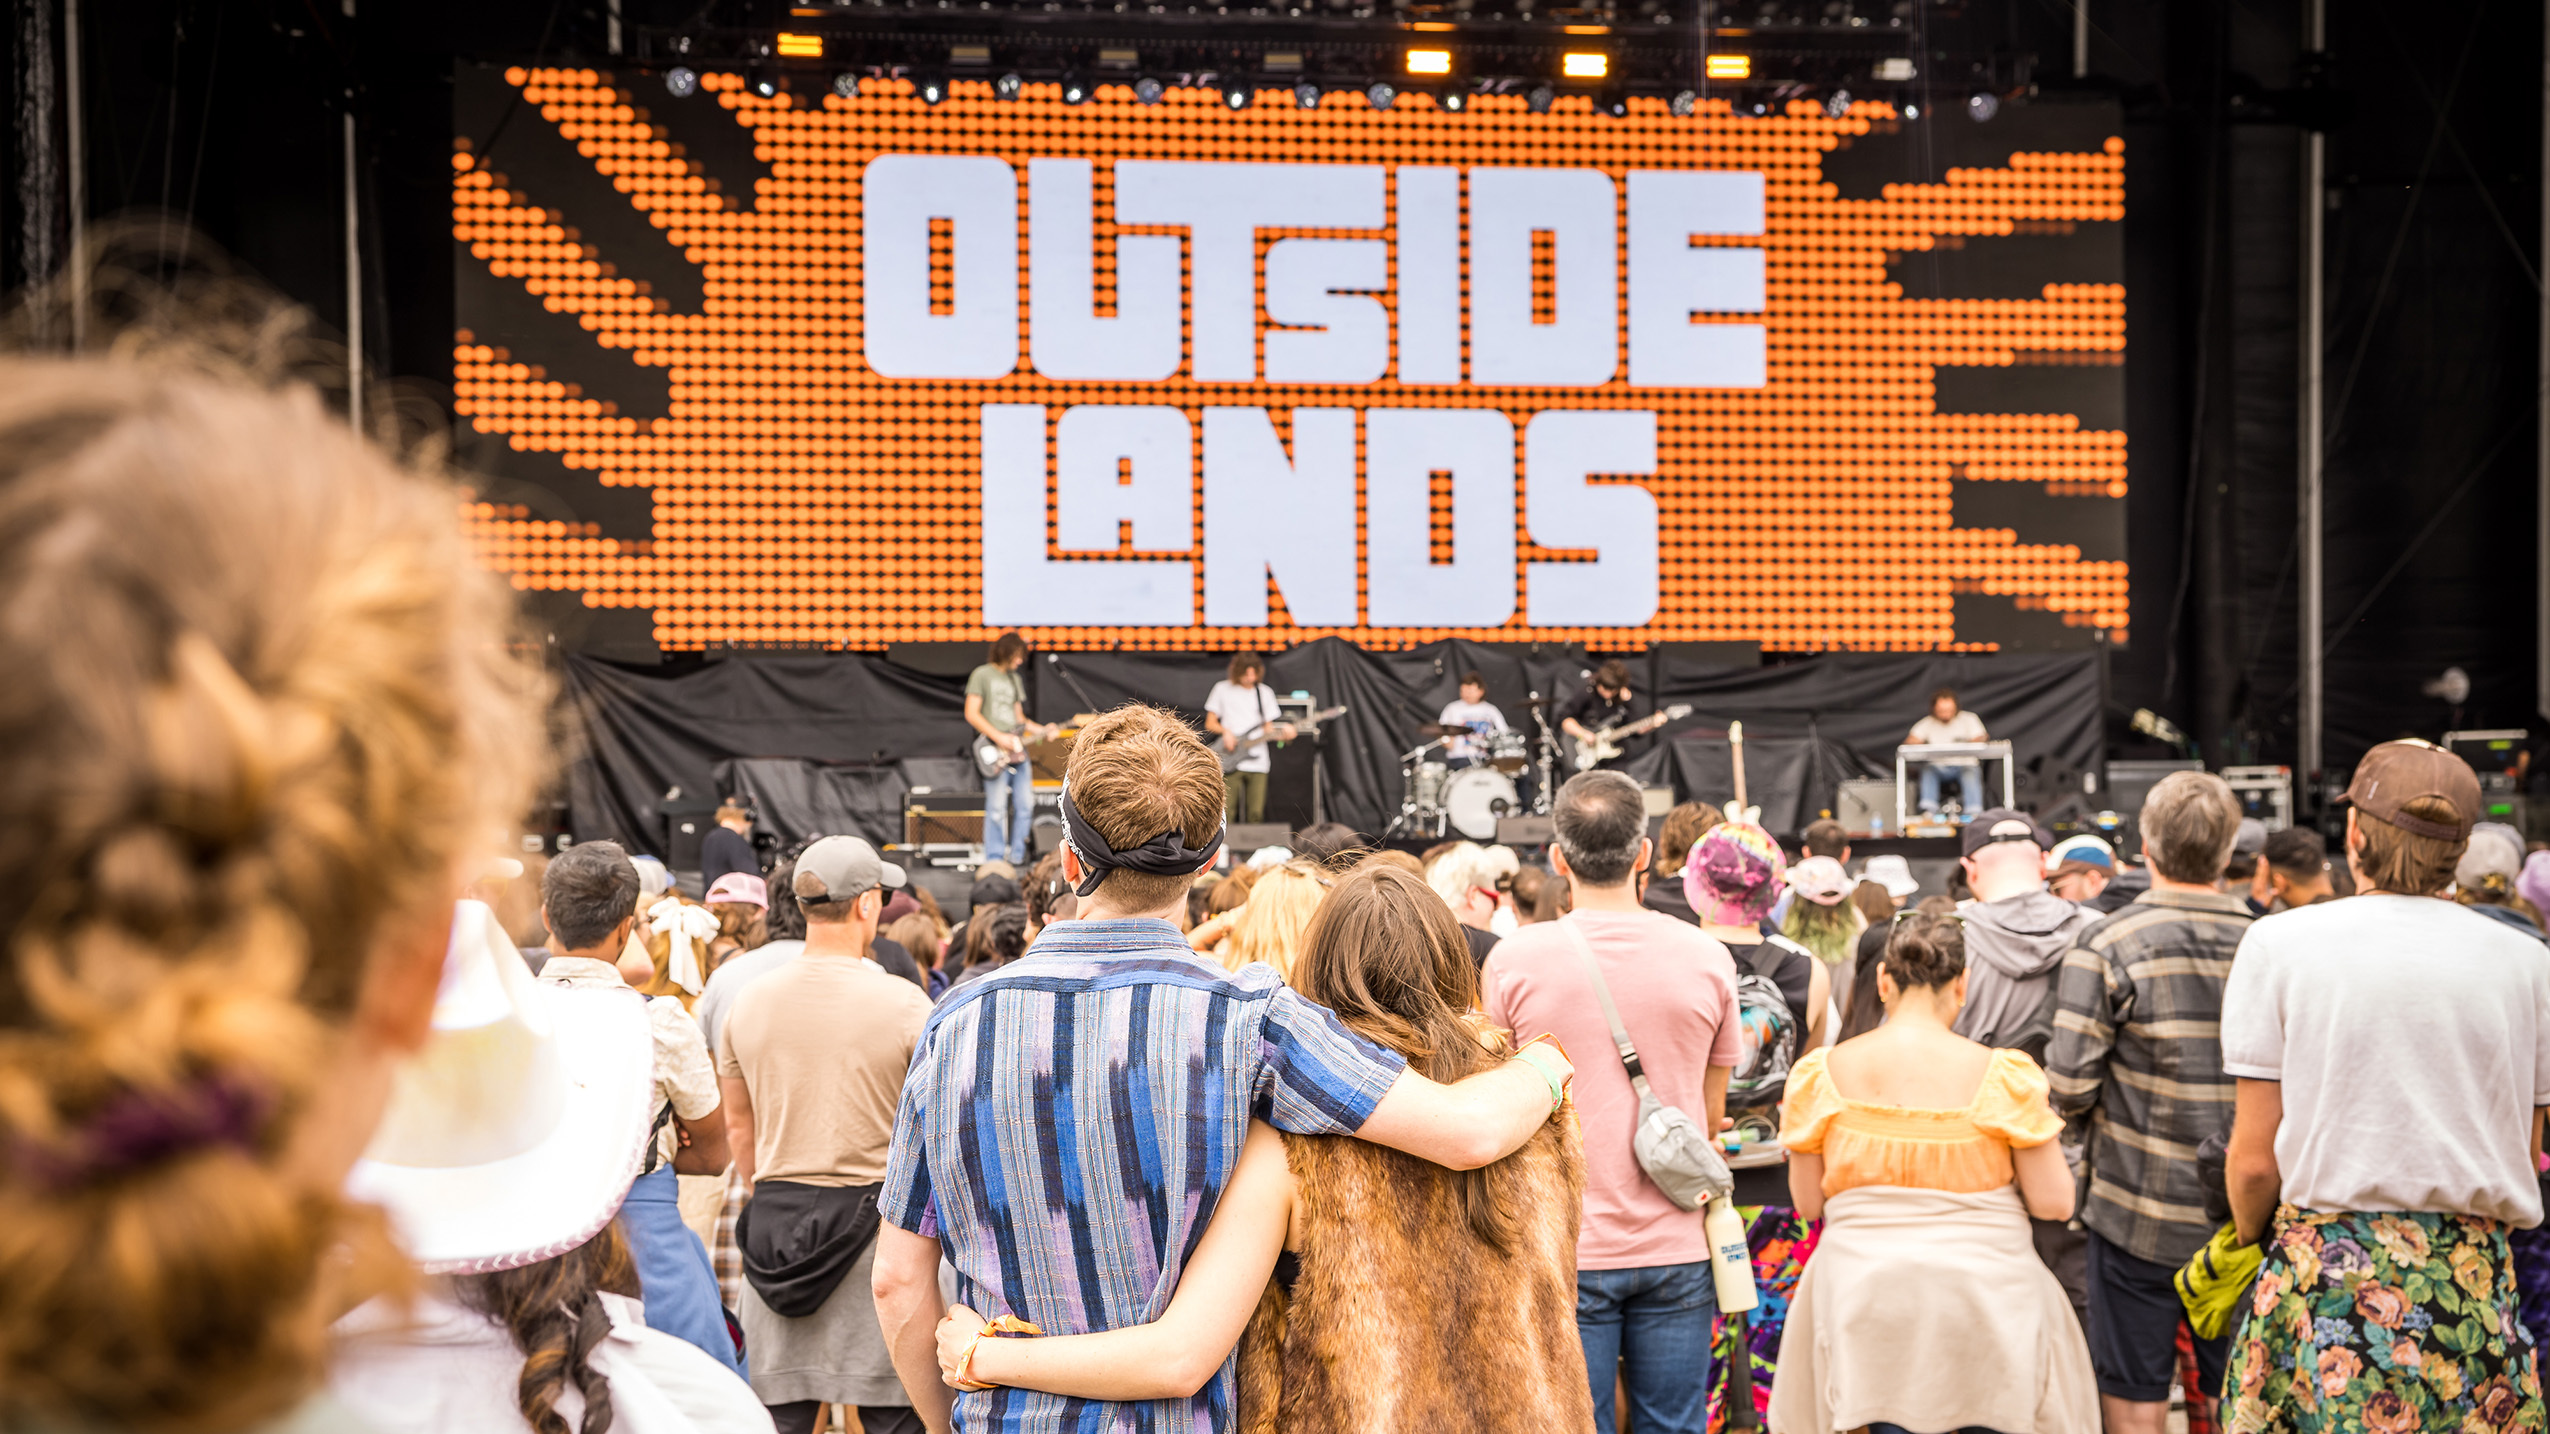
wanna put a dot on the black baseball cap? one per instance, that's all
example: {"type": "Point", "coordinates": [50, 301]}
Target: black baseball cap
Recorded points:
{"type": "Point", "coordinates": [2001, 824]}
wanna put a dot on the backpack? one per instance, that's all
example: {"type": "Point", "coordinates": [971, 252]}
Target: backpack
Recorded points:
{"type": "Point", "coordinates": [1768, 1032]}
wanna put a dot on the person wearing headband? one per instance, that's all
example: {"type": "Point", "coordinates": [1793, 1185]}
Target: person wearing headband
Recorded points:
{"type": "Point", "coordinates": [1070, 1120]}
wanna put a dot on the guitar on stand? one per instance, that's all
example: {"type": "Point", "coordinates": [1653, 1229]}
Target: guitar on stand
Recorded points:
{"type": "Point", "coordinates": [1743, 811]}
{"type": "Point", "coordinates": [1604, 745]}
{"type": "Point", "coordinates": [1258, 736]}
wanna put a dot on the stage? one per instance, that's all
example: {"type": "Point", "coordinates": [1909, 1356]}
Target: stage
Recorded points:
{"type": "Point", "coordinates": [827, 742]}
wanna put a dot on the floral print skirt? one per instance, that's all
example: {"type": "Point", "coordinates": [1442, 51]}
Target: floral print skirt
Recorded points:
{"type": "Point", "coordinates": [2387, 1323]}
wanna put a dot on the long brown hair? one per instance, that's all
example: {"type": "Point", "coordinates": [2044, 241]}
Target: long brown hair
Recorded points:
{"type": "Point", "coordinates": [553, 1312]}
{"type": "Point", "coordinates": [263, 705]}
{"type": "Point", "coordinates": [1385, 954]}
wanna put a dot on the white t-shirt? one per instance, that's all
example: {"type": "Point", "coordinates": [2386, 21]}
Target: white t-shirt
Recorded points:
{"type": "Point", "coordinates": [439, 1366]}
{"type": "Point", "coordinates": [1964, 727]}
{"type": "Point", "coordinates": [1243, 711]}
{"type": "Point", "coordinates": [2412, 1039]}
{"type": "Point", "coordinates": [1481, 717]}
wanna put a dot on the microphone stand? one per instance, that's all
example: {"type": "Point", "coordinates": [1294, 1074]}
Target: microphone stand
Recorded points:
{"type": "Point", "coordinates": [1545, 769]}
{"type": "Point", "coordinates": [1087, 702]}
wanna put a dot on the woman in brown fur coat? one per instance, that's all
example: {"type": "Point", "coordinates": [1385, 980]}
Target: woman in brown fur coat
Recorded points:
{"type": "Point", "coordinates": [1403, 1296]}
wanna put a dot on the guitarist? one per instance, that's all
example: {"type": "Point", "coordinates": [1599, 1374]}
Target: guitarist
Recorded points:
{"type": "Point", "coordinates": [1239, 710]}
{"type": "Point", "coordinates": [1605, 704]}
{"type": "Point", "coordinates": [995, 703]}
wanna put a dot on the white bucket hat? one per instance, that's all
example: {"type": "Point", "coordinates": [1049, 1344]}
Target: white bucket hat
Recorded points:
{"type": "Point", "coordinates": [1891, 872]}
{"type": "Point", "coordinates": [513, 1136]}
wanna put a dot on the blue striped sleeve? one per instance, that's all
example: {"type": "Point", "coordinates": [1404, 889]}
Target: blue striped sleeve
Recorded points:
{"type": "Point", "coordinates": [1314, 1076]}
{"type": "Point", "coordinates": [906, 1200]}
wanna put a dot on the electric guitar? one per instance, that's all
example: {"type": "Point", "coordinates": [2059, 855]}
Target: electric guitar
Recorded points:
{"type": "Point", "coordinates": [1604, 745]}
{"type": "Point", "coordinates": [991, 758]}
{"type": "Point", "coordinates": [1743, 810]}
{"type": "Point", "coordinates": [1307, 727]}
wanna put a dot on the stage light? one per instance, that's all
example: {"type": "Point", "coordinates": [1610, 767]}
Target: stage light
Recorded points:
{"type": "Point", "coordinates": [1579, 65]}
{"type": "Point", "coordinates": [1684, 103]}
{"type": "Point", "coordinates": [1730, 67]}
{"type": "Point", "coordinates": [1236, 96]}
{"type": "Point", "coordinates": [1912, 111]}
{"type": "Point", "coordinates": [1982, 105]}
{"type": "Point", "coordinates": [1006, 87]}
{"type": "Point", "coordinates": [933, 90]}
{"type": "Point", "coordinates": [1306, 95]}
{"type": "Point", "coordinates": [765, 84]}
{"type": "Point", "coordinates": [846, 85]}
{"type": "Point", "coordinates": [1074, 91]}
{"type": "Point", "coordinates": [1148, 90]}
{"type": "Point", "coordinates": [800, 47]}
{"type": "Point", "coordinates": [1429, 62]}
{"type": "Point", "coordinates": [1540, 99]}
{"type": "Point", "coordinates": [1837, 104]}
{"type": "Point", "coordinates": [1896, 68]}
{"type": "Point", "coordinates": [1381, 94]}
{"type": "Point", "coordinates": [1617, 107]}
{"type": "Point", "coordinates": [681, 82]}
{"type": "Point", "coordinates": [1456, 102]}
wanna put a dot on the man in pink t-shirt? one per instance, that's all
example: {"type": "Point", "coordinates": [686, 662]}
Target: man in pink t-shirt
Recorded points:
{"type": "Point", "coordinates": [1644, 1298]}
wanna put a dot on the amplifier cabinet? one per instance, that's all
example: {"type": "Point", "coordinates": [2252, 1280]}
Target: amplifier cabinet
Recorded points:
{"type": "Point", "coordinates": [922, 827]}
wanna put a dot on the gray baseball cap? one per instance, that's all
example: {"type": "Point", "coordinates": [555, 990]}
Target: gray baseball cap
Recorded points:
{"type": "Point", "coordinates": [838, 868]}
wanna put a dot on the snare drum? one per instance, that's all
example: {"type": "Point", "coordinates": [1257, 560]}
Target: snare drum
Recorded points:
{"type": "Point", "coordinates": [1425, 786]}
{"type": "Point", "coordinates": [1508, 752]}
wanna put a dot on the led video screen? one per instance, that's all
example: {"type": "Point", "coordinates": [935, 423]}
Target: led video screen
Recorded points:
{"type": "Point", "coordinates": [856, 371]}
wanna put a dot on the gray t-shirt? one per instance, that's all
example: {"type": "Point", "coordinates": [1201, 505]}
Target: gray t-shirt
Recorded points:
{"type": "Point", "coordinates": [2412, 1039]}
{"type": "Point", "coordinates": [1001, 692]}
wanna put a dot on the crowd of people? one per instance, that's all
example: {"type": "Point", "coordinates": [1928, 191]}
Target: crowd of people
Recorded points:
{"type": "Point", "coordinates": [316, 1115]}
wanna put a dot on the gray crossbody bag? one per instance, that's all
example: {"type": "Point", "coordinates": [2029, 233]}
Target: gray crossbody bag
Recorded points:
{"type": "Point", "coordinates": [1670, 1145]}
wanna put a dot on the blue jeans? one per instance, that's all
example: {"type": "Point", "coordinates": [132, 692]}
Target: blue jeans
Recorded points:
{"type": "Point", "coordinates": [1653, 1328]}
{"type": "Point", "coordinates": [680, 1287]}
{"type": "Point", "coordinates": [1969, 786]}
{"type": "Point", "coordinates": [1009, 806]}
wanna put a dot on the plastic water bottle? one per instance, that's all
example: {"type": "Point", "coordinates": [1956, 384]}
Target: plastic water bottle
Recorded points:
{"type": "Point", "coordinates": [1730, 1259]}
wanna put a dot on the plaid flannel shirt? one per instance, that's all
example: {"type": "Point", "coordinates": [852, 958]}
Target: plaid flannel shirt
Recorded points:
{"type": "Point", "coordinates": [2138, 1049]}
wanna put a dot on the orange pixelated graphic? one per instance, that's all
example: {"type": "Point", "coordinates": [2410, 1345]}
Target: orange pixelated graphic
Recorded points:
{"type": "Point", "coordinates": [801, 497]}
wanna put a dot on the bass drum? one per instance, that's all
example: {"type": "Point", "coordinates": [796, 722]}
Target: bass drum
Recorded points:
{"type": "Point", "coordinates": [1475, 798]}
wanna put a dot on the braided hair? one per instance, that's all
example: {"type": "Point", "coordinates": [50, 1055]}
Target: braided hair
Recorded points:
{"type": "Point", "coordinates": [263, 713]}
{"type": "Point", "coordinates": [554, 1312]}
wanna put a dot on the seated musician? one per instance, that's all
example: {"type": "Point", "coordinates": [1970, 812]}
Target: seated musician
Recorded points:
{"type": "Point", "coordinates": [1478, 714]}
{"type": "Point", "coordinates": [1604, 705]}
{"type": "Point", "coordinates": [1948, 722]}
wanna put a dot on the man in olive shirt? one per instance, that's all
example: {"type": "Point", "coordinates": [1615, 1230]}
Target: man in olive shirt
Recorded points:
{"type": "Point", "coordinates": [812, 1067]}
{"type": "Point", "coordinates": [995, 705]}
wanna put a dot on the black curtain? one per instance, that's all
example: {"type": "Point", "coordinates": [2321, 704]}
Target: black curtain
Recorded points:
{"type": "Point", "coordinates": [847, 732]}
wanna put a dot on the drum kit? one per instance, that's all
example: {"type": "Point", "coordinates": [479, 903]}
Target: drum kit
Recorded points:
{"type": "Point", "coordinates": [1467, 801]}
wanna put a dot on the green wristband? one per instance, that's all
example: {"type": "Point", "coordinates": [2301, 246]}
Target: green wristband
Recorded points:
{"type": "Point", "coordinates": [1553, 1068]}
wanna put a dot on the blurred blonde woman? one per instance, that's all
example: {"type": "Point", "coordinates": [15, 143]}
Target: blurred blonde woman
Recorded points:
{"type": "Point", "coordinates": [263, 723]}
{"type": "Point", "coordinates": [1280, 905]}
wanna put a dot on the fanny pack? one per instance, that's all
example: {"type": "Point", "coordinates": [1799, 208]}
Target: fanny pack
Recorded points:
{"type": "Point", "coordinates": [1670, 1146]}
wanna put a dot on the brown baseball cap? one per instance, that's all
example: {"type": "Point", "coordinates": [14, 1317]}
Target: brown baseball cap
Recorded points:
{"type": "Point", "coordinates": [2396, 773]}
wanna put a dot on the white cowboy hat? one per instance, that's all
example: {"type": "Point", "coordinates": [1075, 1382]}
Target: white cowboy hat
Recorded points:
{"type": "Point", "coordinates": [512, 1137]}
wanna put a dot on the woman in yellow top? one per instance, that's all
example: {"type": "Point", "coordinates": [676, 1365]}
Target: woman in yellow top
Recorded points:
{"type": "Point", "coordinates": [1925, 1307]}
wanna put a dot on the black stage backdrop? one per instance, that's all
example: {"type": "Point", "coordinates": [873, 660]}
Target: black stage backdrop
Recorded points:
{"type": "Point", "coordinates": [849, 723]}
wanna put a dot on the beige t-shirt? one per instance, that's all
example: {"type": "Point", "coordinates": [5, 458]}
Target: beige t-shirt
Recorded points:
{"type": "Point", "coordinates": [822, 1044]}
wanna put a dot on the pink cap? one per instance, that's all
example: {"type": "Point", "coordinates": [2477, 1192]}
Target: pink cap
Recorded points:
{"type": "Point", "coordinates": [740, 886]}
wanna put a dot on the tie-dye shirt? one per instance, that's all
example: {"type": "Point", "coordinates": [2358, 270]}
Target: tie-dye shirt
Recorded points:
{"type": "Point", "coordinates": [1070, 1122]}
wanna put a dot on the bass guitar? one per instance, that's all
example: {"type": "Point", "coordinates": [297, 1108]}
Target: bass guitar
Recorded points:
{"type": "Point", "coordinates": [1605, 744]}
{"type": "Point", "coordinates": [1307, 727]}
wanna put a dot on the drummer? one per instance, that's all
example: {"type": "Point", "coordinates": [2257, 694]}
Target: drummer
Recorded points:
{"type": "Point", "coordinates": [1475, 713]}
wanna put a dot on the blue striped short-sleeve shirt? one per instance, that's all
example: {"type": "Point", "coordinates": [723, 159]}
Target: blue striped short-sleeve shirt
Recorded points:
{"type": "Point", "coordinates": [1070, 1121]}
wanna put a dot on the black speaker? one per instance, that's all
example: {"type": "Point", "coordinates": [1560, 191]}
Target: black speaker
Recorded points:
{"type": "Point", "coordinates": [1246, 837]}
{"type": "Point", "coordinates": [1525, 831]}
